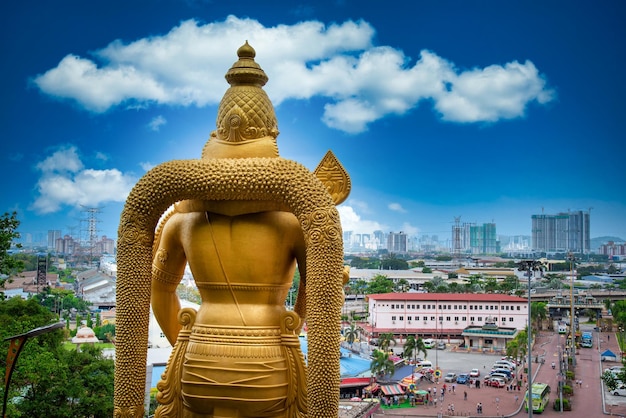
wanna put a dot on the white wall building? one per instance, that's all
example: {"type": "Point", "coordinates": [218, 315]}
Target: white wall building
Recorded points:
{"type": "Point", "coordinates": [481, 321]}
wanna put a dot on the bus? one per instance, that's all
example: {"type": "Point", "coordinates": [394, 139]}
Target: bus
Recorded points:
{"type": "Point", "coordinates": [541, 397]}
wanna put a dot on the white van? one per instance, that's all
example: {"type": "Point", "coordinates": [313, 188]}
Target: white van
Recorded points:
{"type": "Point", "coordinates": [508, 364]}
{"type": "Point", "coordinates": [429, 343]}
{"type": "Point", "coordinates": [425, 364]}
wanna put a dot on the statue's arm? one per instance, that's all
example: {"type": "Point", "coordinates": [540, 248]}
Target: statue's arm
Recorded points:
{"type": "Point", "coordinates": [168, 266]}
{"type": "Point", "coordinates": [300, 254]}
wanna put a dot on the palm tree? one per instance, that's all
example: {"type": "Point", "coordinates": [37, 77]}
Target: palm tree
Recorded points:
{"type": "Point", "coordinates": [385, 340]}
{"type": "Point", "coordinates": [412, 347]}
{"type": "Point", "coordinates": [381, 364]}
{"type": "Point", "coordinates": [351, 334]}
{"type": "Point", "coordinates": [538, 313]}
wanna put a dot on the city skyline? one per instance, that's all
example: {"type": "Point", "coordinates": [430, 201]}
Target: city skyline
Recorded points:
{"type": "Point", "coordinates": [488, 111]}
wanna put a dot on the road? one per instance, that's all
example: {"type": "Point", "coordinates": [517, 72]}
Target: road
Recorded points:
{"type": "Point", "coordinates": [588, 401]}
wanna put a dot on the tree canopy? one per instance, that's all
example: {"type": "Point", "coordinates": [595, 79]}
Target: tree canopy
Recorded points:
{"type": "Point", "coordinates": [380, 284]}
{"type": "Point", "coordinates": [9, 265]}
{"type": "Point", "coordinates": [48, 379]}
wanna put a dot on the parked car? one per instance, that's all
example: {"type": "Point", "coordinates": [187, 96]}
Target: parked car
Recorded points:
{"type": "Point", "coordinates": [501, 376]}
{"type": "Point", "coordinates": [620, 391]}
{"type": "Point", "coordinates": [474, 373]}
{"type": "Point", "coordinates": [508, 364]}
{"type": "Point", "coordinates": [497, 382]}
{"type": "Point", "coordinates": [506, 372]}
{"type": "Point", "coordinates": [615, 369]}
{"type": "Point", "coordinates": [450, 377]}
{"type": "Point", "coordinates": [441, 345]}
{"type": "Point", "coordinates": [463, 378]}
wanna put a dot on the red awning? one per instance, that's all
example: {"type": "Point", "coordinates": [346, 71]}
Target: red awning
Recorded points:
{"type": "Point", "coordinates": [392, 389]}
{"type": "Point", "coordinates": [350, 382]}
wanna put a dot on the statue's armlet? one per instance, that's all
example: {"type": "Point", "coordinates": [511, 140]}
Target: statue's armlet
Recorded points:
{"type": "Point", "coordinates": [165, 279]}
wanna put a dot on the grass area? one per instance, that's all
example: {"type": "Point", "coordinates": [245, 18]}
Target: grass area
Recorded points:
{"type": "Point", "coordinates": [68, 345]}
{"type": "Point", "coordinates": [621, 341]}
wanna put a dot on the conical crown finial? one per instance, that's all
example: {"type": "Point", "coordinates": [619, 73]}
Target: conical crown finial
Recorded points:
{"type": "Point", "coordinates": [246, 70]}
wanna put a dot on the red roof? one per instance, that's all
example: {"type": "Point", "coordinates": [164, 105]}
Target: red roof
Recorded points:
{"type": "Point", "coordinates": [440, 297]}
{"type": "Point", "coordinates": [348, 382]}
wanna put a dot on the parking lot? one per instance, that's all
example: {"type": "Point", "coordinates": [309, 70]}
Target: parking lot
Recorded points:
{"type": "Point", "coordinates": [458, 363]}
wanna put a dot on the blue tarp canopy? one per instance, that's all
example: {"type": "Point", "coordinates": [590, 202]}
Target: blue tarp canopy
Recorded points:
{"type": "Point", "coordinates": [608, 354]}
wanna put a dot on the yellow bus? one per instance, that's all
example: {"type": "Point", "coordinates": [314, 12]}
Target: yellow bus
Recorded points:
{"type": "Point", "coordinates": [541, 397]}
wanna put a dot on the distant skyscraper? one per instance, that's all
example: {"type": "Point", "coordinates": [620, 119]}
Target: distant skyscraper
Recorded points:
{"type": "Point", "coordinates": [470, 238]}
{"type": "Point", "coordinates": [379, 238]}
{"type": "Point", "coordinates": [397, 242]}
{"type": "Point", "coordinates": [53, 235]}
{"type": "Point", "coordinates": [563, 232]}
{"type": "Point", "coordinates": [483, 239]}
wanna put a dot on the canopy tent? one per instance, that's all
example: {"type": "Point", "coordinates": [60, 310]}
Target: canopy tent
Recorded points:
{"type": "Point", "coordinates": [371, 388]}
{"type": "Point", "coordinates": [391, 390]}
{"type": "Point", "coordinates": [608, 355]}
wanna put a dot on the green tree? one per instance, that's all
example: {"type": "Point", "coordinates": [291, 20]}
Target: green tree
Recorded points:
{"type": "Point", "coordinates": [381, 365]}
{"type": "Point", "coordinates": [9, 265]}
{"type": "Point", "coordinates": [412, 347]}
{"type": "Point", "coordinates": [379, 284]}
{"type": "Point", "coordinates": [49, 380]}
{"type": "Point", "coordinates": [386, 340]}
{"type": "Point", "coordinates": [402, 285]}
{"type": "Point", "coordinates": [491, 285]}
{"type": "Point", "coordinates": [454, 287]}
{"type": "Point", "coordinates": [392, 262]}
{"type": "Point", "coordinates": [609, 380]}
{"type": "Point", "coordinates": [352, 333]}
{"type": "Point", "coordinates": [538, 313]}
{"type": "Point", "coordinates": [510, 283]}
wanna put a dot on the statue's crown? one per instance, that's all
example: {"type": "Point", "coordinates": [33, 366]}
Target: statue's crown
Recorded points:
{"type": "Point", "coordinates": [246, 123]}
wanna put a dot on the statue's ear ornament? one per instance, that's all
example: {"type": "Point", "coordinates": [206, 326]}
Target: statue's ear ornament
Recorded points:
{"type": "Point", "coordinates": [332, 174]}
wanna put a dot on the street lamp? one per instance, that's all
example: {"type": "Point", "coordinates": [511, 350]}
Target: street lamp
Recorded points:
{"type": "Point", "coordinates": [571, 259]}
{"type": "Point", "coordinates": [529, 266]}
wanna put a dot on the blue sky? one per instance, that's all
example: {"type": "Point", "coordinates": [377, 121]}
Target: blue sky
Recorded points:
{"type": "Point", "coordinates": [488, 110]}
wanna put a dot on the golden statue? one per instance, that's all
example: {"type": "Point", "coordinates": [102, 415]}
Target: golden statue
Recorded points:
{"type": "Point", "coordinates": [243, 218]}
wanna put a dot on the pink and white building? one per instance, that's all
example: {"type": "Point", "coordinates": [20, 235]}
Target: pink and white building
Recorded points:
{"type": "Point", "coordinates": [480, 321]}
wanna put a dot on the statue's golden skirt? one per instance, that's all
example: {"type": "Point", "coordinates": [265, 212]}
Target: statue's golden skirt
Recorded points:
{"type": "Point", "coordinates": [244, 369]}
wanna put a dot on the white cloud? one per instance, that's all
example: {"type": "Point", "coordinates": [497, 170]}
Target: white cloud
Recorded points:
{"type": "Point", "coordinates": [361, 82]}
{"type": "Point", "coordinates": [64, 160]}
{"type": "Point", "coordinates": [351, 221]}
{"type": "Point", "coordinates": [156, 123]}
{"type": "Point", "coordinates": [396, 207]}
{"type": "Point", "coordinates": [65, 182]}
{"type": "Point", "coordinates": [147, 166]}
{"type": "Point", "coordinates": [409, 229]}
{"type": "Point", "coordinates": [101, 156]}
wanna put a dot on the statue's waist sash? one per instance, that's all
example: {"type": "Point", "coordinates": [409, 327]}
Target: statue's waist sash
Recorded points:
{"type": "Point", "coordinates": [226, 365]}
{"type": "Point", "coordinates": [235, 341]}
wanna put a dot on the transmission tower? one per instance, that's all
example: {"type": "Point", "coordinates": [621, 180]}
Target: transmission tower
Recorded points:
{"type": "Point", "coordinates": [89, 230]}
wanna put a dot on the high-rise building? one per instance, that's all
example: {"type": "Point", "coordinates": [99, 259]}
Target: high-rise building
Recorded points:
{"type": "Point", "coordinates": [563, 232]}
{"type": "Point", "coordinates": [483, 239]}
{"type": "Point", "coordinates": [470, 238]}
{"type": "Point", "coordinates": [397, 242]}
{"type": "Point", "coordinates": [53, 235]}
